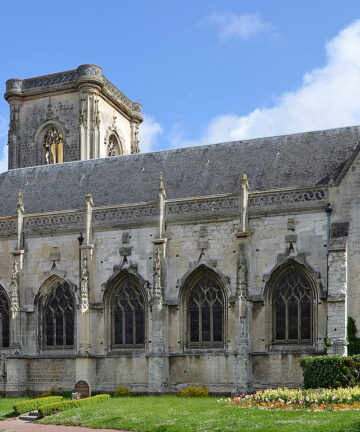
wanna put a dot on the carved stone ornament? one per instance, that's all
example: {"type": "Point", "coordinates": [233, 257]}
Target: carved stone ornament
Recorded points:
{"type": "Point", "coordinates": [84, 286]}
{"type": "Point", "coordinates": [157, 288]}
{"type": "Point", "coordinates": [241, 287]}
{"type": "Point", "coordinates": [14, 298]}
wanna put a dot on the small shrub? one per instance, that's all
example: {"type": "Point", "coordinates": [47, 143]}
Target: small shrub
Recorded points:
{"type": "Point", "coordinates": [331, 371]}
{"type": "Point", "coordinates": [33, 404]}
{"type": "Point", "coordinates": [53, 408]}
{"type": "Point", "coordinates": [49, 393]}
{"type": "Point", "coordinates": [192, 391]}
{"type": "Point", "coordinates": [121, 391]}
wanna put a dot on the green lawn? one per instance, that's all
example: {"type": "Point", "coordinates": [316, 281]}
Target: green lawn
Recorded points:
{"type": "Point", "coordinates": [175, 414]}
{"type": "Point", "coordinates": [6, 406]}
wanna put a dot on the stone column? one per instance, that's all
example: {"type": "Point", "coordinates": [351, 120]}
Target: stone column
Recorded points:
{"type": "Point", "coordinates": [15, 283]}
{"type": "Point", "coordinates": [241, 363]}
{"type": "Point", "coordinates": [85, 364]}
{"type": "Point", "coordinates": [158, 334]}
{"type": "Point", "coordinates": [337, 296]}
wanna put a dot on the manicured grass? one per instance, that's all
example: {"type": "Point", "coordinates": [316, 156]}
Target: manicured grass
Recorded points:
{"type": "Point", "coordinates": [6, 406]}
{"type": "Point", "coordinates": [175, 414]}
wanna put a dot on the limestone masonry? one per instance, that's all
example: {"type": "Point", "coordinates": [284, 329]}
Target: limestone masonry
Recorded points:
{"type": "Point", "coordinates": [220, 265]}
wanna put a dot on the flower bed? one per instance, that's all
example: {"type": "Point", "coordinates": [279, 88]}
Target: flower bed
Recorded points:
{"type": "Point", "coordinates": [297, 399]}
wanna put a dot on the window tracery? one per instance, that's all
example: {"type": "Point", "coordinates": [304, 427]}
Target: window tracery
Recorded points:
{"type": "Point", "coordinates": [59, 317]}
{"type": "Point", "coordinates": [4, 320]}
{"type": "Point", "coordinates": [205, 314]}
{"type": "Point", "coordinates": [292, 301]}
{"type": "Point", "coordinates": [128, 315]}
{"type": "Point", "coordinates": [54, 146]}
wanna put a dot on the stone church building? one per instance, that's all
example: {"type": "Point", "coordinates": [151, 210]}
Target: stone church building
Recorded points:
{"type": "Point", "coordinates": [220, 265]}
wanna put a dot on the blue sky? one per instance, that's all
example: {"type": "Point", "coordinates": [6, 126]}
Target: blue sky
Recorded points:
{"type": "Point", "coordinates": [204, 71]}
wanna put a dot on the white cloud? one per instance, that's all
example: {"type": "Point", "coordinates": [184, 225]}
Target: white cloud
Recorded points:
{"type": "Point", "coordinates": [246, 26]}
{"type": "Point", "coordinates": [148, 132]}
{"type": "Point", "coordinates": [328, 97]}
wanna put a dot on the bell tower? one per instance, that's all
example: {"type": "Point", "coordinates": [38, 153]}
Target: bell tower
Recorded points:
{"type": "Point", "coordinates": [69, 116]}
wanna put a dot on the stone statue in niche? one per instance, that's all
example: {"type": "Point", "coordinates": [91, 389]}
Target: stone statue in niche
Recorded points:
{"type": "Point", "coordinates": [157, 291]}
{"type": "Point", "coordinates": [241, 288]}
{"type": "Point", "coordinates": [113, 146]}
{"type": "Point", "coordinates": [84, 286]}
{"type": "Point", "coordinates": [14, 299]}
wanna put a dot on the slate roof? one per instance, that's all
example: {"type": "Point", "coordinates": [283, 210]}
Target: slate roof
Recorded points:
{"type": "Point", "coordinates": [297, 160]}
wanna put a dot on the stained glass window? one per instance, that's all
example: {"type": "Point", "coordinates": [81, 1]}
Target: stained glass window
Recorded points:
{"type": "Point", "coordinates": [205, 313]}
{"type": "Point", "coordinates": [59, 317]}
{"type": "Point", "coordinates": [128, 315]}
{"type": "Point", "coordinates": [292, 300]}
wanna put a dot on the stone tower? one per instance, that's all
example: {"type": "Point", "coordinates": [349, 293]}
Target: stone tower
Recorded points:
{"type": "Point", "coordinates": [69, 116]}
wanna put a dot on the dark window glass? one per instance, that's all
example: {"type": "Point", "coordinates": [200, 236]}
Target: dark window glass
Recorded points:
{"type": "Point", "coordinates": [59, 317]}
{"type": "Point", "coordinates": [128, 314]}
{"type": "Point", "coordinates": [59, 320]}
{"type": "Point", "coordinates": [217, 323]}
{"type": "Point", "coordinates": [129, 327]}
{"type": "Point", "coordinates": [305, 319]}
{"type": "Point", "coordinates": [194, 324]}
{"type": "Point", "coordinates": [205, 323]}
{"type": "Point", "coordinates": [118, 327]}
{"type": "Point", "coordinates": [280, 319]}
{"type": "Point", "coordinates": [50, 329]}
{"type": "Point", "coordinates": [293, 318]}
{"type": "Point", "coordinates": [69, 328]}
{"type": "Point", "coordinates": [139, 327]}
{"type": "Point", "coordinates": [292, 299]}
{"type": "Point", "coordinates": [205, 312]}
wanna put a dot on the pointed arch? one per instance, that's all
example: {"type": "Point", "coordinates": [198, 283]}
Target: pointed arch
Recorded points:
{"type": "Point", "coordinates": [113, 143]}
{"type": "Point", "coordinates": [56, 313]}
{"type": "Point", "coordinates": [50, 142]}
{"type": "Point", "coordinates": [4, 319]}
{"type": "Point", "coordinates": [126, 306]}
{"type": "Point", "coordinates": [203, 302]}
{"type": "Point", "coordinates": [291, 296]}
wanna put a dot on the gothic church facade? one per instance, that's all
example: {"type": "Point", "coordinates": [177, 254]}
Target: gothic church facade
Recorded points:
{"type": "Point", "coordinates": [220, 265]}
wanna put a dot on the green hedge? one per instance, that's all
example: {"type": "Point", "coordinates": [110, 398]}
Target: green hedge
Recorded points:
{"type": "Point", "coordinates": [331, 371]}
{"type": "Point", "coordinates": [33, 404]}
{"type": "Point", "coordinates": [53, 408]}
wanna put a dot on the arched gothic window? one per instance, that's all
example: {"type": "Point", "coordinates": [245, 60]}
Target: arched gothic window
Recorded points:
{"type": "Point", "coordinates": [205, 312]}
{"type": "Point", "coordinates": [128, 314]}
{"type": "Point", "coordinates": [292, 301]}
{"type": "Point", "coordinates": [59, 317]}
{"type": "Point", "coordinates": [113, 147]}
{"type": "Point", "coordinates": [4, 320]}
{"type": "Point", "coordinates": [53, 145]}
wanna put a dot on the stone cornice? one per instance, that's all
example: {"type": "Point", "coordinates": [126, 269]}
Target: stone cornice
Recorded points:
{"type": "Point", "coordinates": [85, 74]}
{"type": "Point", "coordinates": [225, 207]}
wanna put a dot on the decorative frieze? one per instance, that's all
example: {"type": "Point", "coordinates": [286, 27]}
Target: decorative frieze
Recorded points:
{"type": "Point", "coordinates": [49, 223]}
{"type": "Point", "coordinates": [89, 72]}
{"type": "Point", "coordinates": [226, 206]}
{"type": "Point", "coordinates": [204, 206]}
{"type": "Point", "coordinates": [286, 198]}
{"type": "Point", "coordinates": [115, 216]}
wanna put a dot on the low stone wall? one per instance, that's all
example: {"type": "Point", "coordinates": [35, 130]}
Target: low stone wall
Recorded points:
{"type": "Point", "coordinates": [276, 370]}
